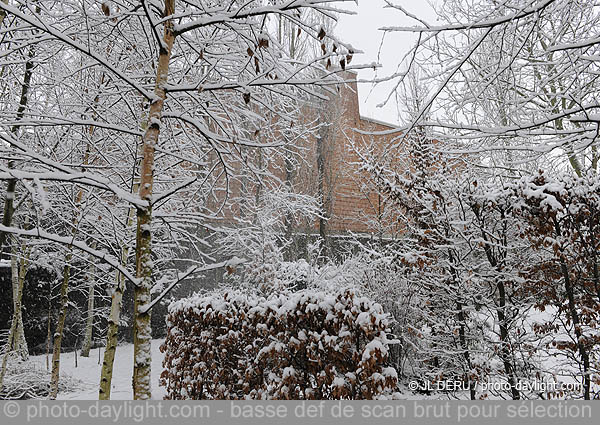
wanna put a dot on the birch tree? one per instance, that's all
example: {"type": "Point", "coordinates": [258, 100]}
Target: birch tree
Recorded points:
{"type": "Point", "coordinates": [187, 85]}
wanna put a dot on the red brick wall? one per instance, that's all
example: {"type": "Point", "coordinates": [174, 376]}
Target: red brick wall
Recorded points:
{"type": "Point", "coordinates": [352, 206]}
{"type": "Point", "coordinates": [355, 206]}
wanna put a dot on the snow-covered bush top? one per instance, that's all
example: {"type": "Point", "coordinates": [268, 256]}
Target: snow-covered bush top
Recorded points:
{"type": "Point", "coordinates": [554, 194]}
{"type": "Point", "coordinates": [303, 345]}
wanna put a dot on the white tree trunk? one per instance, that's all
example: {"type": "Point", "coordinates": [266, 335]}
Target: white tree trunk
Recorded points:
{"type": "Point", "coordinates": [113, 322]}
{"type": "Point", "coordinates": [142, 332]}
{"type": "Point", "coordinates": [16, 337]}
{"type": "Point", "coordinates": [19, 269]}
{"type": "Point", "coordinates": [89, 324]}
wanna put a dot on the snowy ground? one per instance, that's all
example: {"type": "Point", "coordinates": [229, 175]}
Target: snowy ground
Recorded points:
{"type": "Point", "coordinates": [83, 380]}
{"type": "Point", "coordinates": [88, 369]}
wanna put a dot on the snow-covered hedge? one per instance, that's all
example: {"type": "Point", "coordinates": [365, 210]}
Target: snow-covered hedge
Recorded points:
{"type": "Point", "coordinates": [303, 345]}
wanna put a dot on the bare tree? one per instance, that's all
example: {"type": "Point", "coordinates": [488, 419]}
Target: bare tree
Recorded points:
{"type": "Point", "coordinates": [200, 71]}
{"type": "Point", "coordinates": [515, 76]}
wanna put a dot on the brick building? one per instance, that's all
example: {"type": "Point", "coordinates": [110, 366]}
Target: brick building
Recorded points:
{"type": "Point", "coordinates": [329, 170]}
{"type": "Point", "coordinates": [353, 204]}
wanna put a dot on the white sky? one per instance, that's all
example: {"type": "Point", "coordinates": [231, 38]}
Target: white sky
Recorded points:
{"type": "Point", "coordinates": [361, 31]}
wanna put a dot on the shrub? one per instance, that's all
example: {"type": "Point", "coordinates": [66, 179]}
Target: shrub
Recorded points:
{"type": "Point", "coordinates": [303, 345]}
{"type": "Point", "coordinates": [29, 379]}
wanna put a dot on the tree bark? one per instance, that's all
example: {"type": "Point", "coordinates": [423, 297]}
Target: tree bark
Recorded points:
{"type": "Point", "coordinates": [60, 326]}
{"type": "Point", "coordinates": [462, 320]}
{"type": "Point", "coordinates": [505, 342]}
{"type": "Point", "coordinates": [12, 183]}
{"type": "Point", "coordinates": [321, 194]}
{"type": "Point", "coordinates": [89, 324]}
{"type": "Point", "coordinates": [9, 212]}
{"type": "Point", "coordinates": [503, 321]}
{"type": "Point", "coordinates": [576, 320]}
{"type": "Point", "coordinates": [16, 337]}
{"type": "Point", "coordinates": [113, 324]}
{"type": "Point", "coordinates": [64, 300]}
{"type": "Point", "coordinates": [142, 326]}
{"type": "Point", "coordinates": [49, 327]}
{"type": "Point", "coordinates": [19, 269]}
{"type": "Point", "coordinates": [585, 358]}
{"type": "Point", "coordinates": [464, 346]}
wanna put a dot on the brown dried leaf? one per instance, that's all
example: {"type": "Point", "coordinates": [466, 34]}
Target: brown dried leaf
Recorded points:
{"type": "Point", "coordinates": [322, 34]}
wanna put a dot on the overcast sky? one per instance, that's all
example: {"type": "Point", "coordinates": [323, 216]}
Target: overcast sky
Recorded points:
{"type": "Point", "coordinates": [361, 30]}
